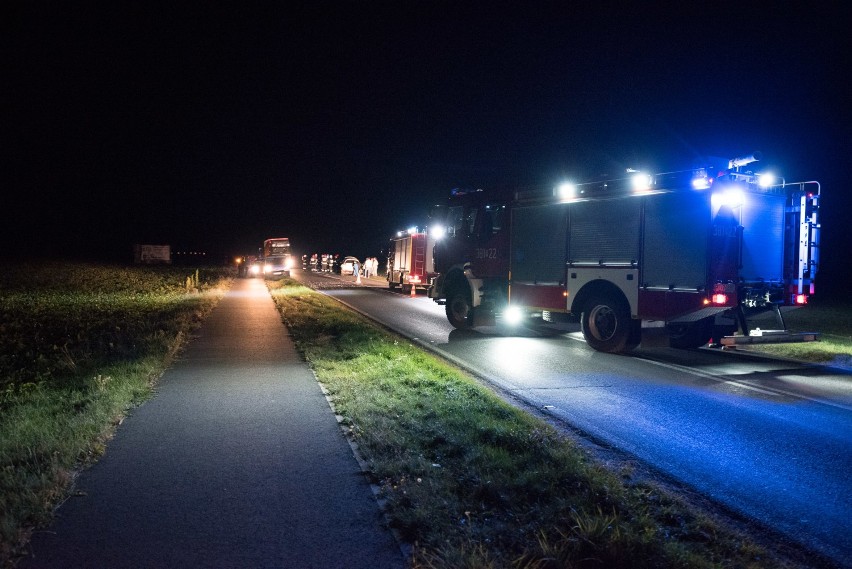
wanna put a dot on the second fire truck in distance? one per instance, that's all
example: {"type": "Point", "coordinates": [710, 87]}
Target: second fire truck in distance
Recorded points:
{"type": "Point", "coordinates": [410, 262]}
{"type": "Point", "coordinates": [694, 252]}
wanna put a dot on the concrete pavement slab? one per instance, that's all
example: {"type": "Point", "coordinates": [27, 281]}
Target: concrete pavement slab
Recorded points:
{"type": "Point", "coordinates": [238, 461]}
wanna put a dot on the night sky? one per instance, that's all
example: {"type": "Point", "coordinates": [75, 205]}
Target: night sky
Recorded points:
{"type": "Point", "coordinates": [213, 126]}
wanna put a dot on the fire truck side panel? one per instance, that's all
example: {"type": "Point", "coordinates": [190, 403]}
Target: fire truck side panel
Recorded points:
{"type": "Point", "coordinates": [605, 232]}
{"type": "Point", "coordinates": [429, 245]}
{"type": "Point", "coordinates": [652, 304]}
{"type": "Point", "coordinates": [584, 280]}
{"type": "Point", "coordinates": [410, 260]}
{"type": "Point", "coordinates": [654, 249]}
{"type": "Point", "coordinates": [603, 250]}
{"type": "Point", "coordinates": [763, 230]}
{"type": "Point", "coordinates": [674, 255]}
{"type": "Point", "coordinates": [675, 242]}
{"type": "Point", "coordinates": [400, 259]}
{"type": "Point", "coordinates": [539, 244]}
{"type": "Point", "coordinates": [539, 297]}
{"type": "Point", "coordinates": [674, 305]}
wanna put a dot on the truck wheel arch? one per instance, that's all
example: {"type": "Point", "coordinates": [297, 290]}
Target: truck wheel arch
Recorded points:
{"type": "Point", "coordinates": [603, 299]}
{"type": "Point", "coordinates": [592, 289]}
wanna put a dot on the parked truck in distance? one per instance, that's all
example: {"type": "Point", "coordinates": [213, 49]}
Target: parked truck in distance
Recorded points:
{"type": "Point", "coordinates": [277, 259]}
{"type": "Point", "coordinates": [152, 254]}
{"type": "Point", "coordinates": [694, 252]}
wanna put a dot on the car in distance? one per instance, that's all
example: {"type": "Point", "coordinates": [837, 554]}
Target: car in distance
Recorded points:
{"type": "Point", "coordinates": [255, 266]}
{"type": "Point", "coordinates": [348, 264]}
{"type": "Point", "coordinates": [248, 266]}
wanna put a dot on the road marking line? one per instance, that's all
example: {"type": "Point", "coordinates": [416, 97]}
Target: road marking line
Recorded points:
{"type": "Point", "coordinates": [764, 390]}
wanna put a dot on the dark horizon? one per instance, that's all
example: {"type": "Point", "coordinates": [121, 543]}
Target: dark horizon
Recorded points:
{"type": "Point", "coordinates": [212, 127]}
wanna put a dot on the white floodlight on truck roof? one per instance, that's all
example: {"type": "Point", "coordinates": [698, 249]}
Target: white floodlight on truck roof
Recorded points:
{"type": "Point", "coordinates": [732, 197]}
{"type": "Point", "coordinates": [766, 179]}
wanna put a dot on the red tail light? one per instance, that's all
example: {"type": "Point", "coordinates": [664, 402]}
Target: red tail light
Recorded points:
{"type": "Point", "coordinates": [720, 298]}
{"type": "Point", "coordinates": [801, 299]}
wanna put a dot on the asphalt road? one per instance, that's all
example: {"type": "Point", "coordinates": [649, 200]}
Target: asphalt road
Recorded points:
{"type": "Point", "coordinates": [770, 439]}
{"type": "Point", "coordinates": [237, 462]}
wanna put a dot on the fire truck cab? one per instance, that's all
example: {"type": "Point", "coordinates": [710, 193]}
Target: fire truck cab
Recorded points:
{"type": "Point", "coordinates": [694, 252]}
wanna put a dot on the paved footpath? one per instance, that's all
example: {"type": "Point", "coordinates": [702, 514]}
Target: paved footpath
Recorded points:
{"type": "Point", "coordinates": [237, 462]}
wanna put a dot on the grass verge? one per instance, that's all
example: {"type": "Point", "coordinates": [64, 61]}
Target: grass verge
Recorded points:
{"type": "Point", "coordinates": [79, 346]}
{"type": "Point", "coordinates": [831, 318]}
{"type": "Point", "coordinates": [474, 482]}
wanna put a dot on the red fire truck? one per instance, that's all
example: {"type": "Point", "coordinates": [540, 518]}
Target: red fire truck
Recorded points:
{"type": "Point", "coordinates": [696, 253]}
{"type": "Point", "coordinates": [410, 261]}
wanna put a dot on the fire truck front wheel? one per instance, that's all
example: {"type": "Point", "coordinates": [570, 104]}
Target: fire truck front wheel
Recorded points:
{"type": "Point", "coordinates": [459, 309]}
{"type": "Point", "coordinates": [607, 326]}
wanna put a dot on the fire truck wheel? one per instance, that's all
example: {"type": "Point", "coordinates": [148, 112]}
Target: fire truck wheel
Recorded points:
{"type": "Point", "coordinates": [459, 310]}
{"type": "Point", "coordinates": [607, 326]}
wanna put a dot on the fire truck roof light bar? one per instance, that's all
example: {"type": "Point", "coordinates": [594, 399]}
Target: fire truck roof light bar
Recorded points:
{"type": "Point", "coordinates": [640, 183]}
{"type": "Point", "coordinates": [410, 231]}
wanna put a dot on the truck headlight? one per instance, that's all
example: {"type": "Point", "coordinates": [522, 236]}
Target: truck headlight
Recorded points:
{"type": "Point", "coordinates": [512, 315]}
